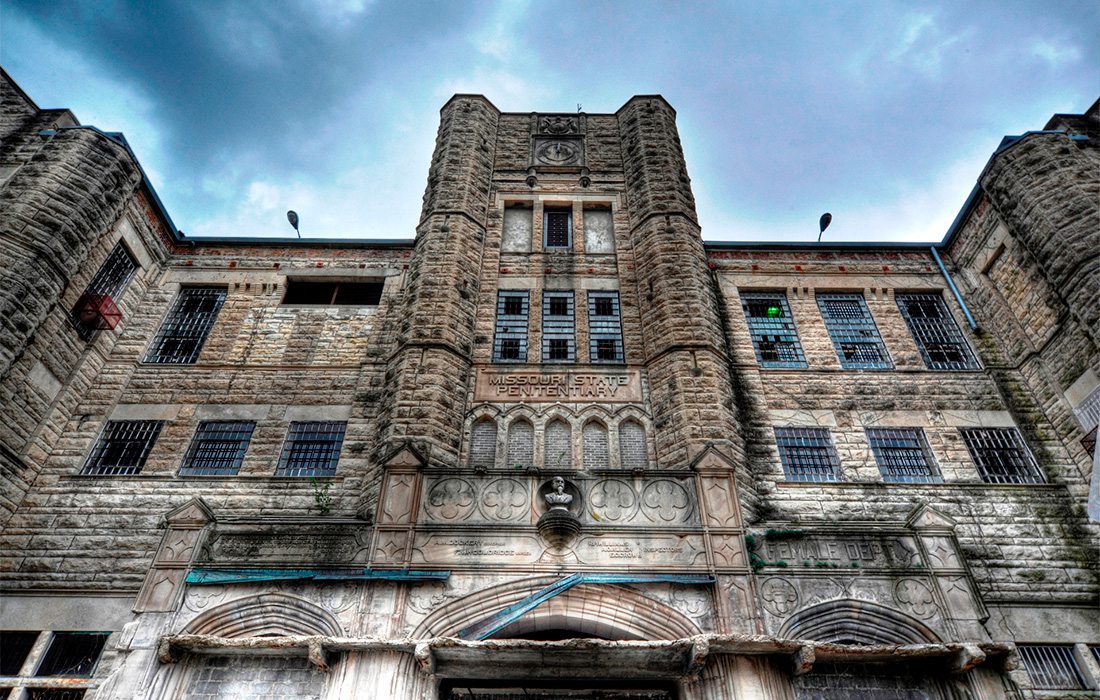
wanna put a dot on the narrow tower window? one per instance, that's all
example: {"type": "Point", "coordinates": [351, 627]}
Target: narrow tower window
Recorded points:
{"type": "Point", "coordinates": [558, 228]}
{"type": "Point", "coordinates": [605, 331]}
{"type": "Point", "coordinates": [510, 340]}
{"type": "Point", "coordinates": [558, 338]}
{"type": "Point", "coordinates": [97, 308]}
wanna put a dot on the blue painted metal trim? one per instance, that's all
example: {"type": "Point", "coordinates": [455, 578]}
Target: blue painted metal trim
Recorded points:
{"type": "Point", "coordinates": [499, 620]}
{"type": "Point", "coordinates": [209, 577]}
{"type": "Point", "coordinates": [954, 290]}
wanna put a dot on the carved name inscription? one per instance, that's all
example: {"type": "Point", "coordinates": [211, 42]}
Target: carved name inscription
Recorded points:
{"type": "Point", "coordinates": [475, 549]}
{"type": "Point", "coordinates": [891, 552]}
{"type": "Point", "coordinates": [656, 550]}
{"type": "Point", "coordinates": [501, 385]}
{"type": "Point", "coordinates": [286, 547]}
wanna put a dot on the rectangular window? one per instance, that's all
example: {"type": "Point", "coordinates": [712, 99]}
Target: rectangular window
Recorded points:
{"type": "Point", "coordinates": [218, 448]}
{"type": "Point", "coordinates": [807, 454]}
{"type": "Point", "coordinates": [14, 648]}
{"type": "Point", "coordinates": [510, 338]}
{"type": "Point", "coordinates": [558, 338]}
{"type": "Point", "coordinates": [771, 327]}
{"type": "Point", "coordinates": [557, 228]}
{"type": "Point", "coordinates": [72, 653]}
{"type": "Point", "coordinates": [903, 455]}
{"type": "Point", "coordinates": [1052, 667]}
{"type": "Point", "coordinates": [311, 449]}
{"type": "Point", "coordinates": [605, 330]}
{"type": "Point", "coordinates": [938, 337]}
{"type": "Point", "coordinates": [1001, 456]}
{"type": "Point", "coordinates": [853, 331]}
{"type": "Point", "coordinates": [123, 447]}
{"type": "Point", "coordinates": [97, 308]}
{"type": "Point", "coordinates": [184, 331]}
{"type": "Point", "coordinates": [322, 293]}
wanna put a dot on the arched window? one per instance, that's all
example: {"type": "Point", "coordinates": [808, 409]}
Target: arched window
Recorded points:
{"type": "Point", "coordinates": [632, 449]}
{"type": "Point", "coordinates": [595, 445]}
{"type": "Point", "coordinates": [483, 443]}
{"type": "Point", "coordinates": [559, 446]}
{"type": "Point", "coordinates": [521, 444]}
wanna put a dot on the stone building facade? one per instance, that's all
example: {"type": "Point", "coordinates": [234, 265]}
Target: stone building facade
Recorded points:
{"type": "Point", "coordinates": [554, 446]}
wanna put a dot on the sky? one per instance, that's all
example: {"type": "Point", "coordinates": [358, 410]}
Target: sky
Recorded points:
{"type": "Point", "coordinates": [883, 113]}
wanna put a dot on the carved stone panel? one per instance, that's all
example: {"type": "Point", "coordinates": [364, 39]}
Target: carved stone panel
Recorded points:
{"type": "Point", "coordinates": [517, 230]}
{"type": "Point", "coordinates": [559, 152]}
{"type": "Point", "coordinates": [299, 544]}
{"type": "Point", "coordinates": [559, 124]}
{"type": "Point", "coordinates": [720, 501]}
{"type": "Point", "coordinates": [397, 503]}
{"type": "Point", "coordinates": [599, 235]}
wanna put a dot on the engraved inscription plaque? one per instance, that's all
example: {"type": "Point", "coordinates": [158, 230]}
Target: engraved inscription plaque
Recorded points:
{"type": "Point", "coordinates": [502, 385]}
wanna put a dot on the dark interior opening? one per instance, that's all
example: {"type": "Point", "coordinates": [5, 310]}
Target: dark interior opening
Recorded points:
{"type": "Point", "coordinates": [302, 293]}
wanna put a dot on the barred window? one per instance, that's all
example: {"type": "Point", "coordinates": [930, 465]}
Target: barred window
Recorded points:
{"type": "Point", "coordinates": [938, 337]}
{"type": "Point", "coordinates": [521, 445]}
{"type": "Point", "coordinates": [184, 331]}
{"type": "Point", "coordinates": [72, 653]}
{"type": "Point", "coordinates": [218, 448]}
{"type": "Point", "coordinates": [1001, 456]}
{"type": "Point", "coordinates": [55, 693]}
{"type": "Point", "coordinates": [557, 228]}
{"type": "Point", "coordinates": [101, 295]}
{"type": "Point", "coordinates": [594, 438]}
{"type": "Point", "coordinates": [558, 339]}
{"type": "Point", "coordinates": [605, 331]}
{"type": "Point", "coordinates": [510, 340]}
{"type": "Point", "coordinates": [854, 333]}
{"type": "Point", "coordinates": [483, 443]}
{"type": "Point", "coordinates": [1052, 667]}
{"type": "Point", "coordinates": [807, 454]}
{"type": "Point", "coordinates": [633, 453]}
{"type": "Point", "coordinates": [558, 446]}
{"type": "Point", "coordinates": [123, 447]}
{"type": "Point", "coordinates": [772, 329]}
{"type": "Point", "coordinates": [311, 449]}
{"type": "Point", "coordinates": [903, 455]}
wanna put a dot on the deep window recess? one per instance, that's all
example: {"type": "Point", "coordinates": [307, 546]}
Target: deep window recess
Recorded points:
{"type": "Point", "coordinates": [521, 445]}
{"type": "Point", "coordinates": [510, 339]}
{"type": "Point", "coordinates": [97, 308]}
{"type": "Point", "coordinates": [807, 454]}
{"type": "Point", "coordinates": [594, 441]}
{"type": "Point", "coordinates": [903, 455]}
{"type": "Point", "coordinates": [1001, 456]}
{"type": "Point", "coordinates": [557, 228]}
{"type": "Point", "coordinates": [558, 446]}
{"type": "Point", "coordinates": [853, 331]}
{"type": "Point", "coordinates": [184, 331]}
{"type": "Point", "coordinates": [14, 648]}
{"type": "Point", "coordinates": [72, 653]}
{"type": "Point", "coordinates": [774, 337]}
{"type": "Point", "coordinates": [605, 330]}
{"type": "Point", "coordinates": [218, 448]}
{"type": "Point", "coordinates": [483, 443]}
{"type": "Point", "coordinates": [1052, 667]}
{"type": "Point", "coordinates": [305, 293]}
{"type": "Point", "coordinates": [633, 453]}
{"type": "Point", "coordinates": [311, 449]}
{"type": "Point", "coordinates": [123, 447]}
{"type": "Point", "coordinates": [938, 337]}
{"type": "Point", "coordinates": [558, 339]}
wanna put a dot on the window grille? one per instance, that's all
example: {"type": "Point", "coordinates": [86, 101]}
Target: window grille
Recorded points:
{"type": "Point", "coordinates": [72, 653]}
{"type": "Point", "coordinates": [558, 338]}
{"type": "Point", "coordinates": [594, 438]}
{"type": "Point", "coordinates": [184, 331]}
{"type": "Point", "coordinates": [218, 448]}
{"type": "Point", "coordinates": [510, 340]}
{"type": "Point", "coordinates": [108, 282]}
{"type": "Point", "coordinates": [558, 446]}
{"type": "Point", "coordinates": [1088, 411]}
{"type": "Point", "coordinates": [521, 445]}
{"type": "Point", "coordinates": [1001, 456]}
{"type": "Point", "coordinates": [854, 334]}
{"type": "Point", "coordinates": [558, 226]}
{"type": "Point", "coordinates": [903, 455]}
{"type": "Point", "coordinates": [1052, 667]}
{"type": "Point", "coordinates": [772, 329]}
{"type": "Point", "coordinates": [605, 331]}
{"type": "Point", "coordinates": [123, 447]}
{"type": "Point", "coordinates": [633, 453]}
{"type": "Point", "coordinates": [938, 337]}
{"type": "Point", "coordinates": [14, 648]}
{"type": "Point", "coordinates": [483, 444]}
{"type": "Point", "coordinates": [311, 449]}
{"type": "Point", "coordinates": [1095, 654]}
{"type": "Point", "coordinates": [321, 293]}
{"type": "Point", "coordinates": [807, 454]}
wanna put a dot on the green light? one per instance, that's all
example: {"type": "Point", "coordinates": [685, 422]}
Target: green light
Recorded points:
{"type": "Point", "coordinates": [774, 312]}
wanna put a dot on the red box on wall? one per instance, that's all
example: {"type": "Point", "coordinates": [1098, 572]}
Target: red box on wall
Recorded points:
{"type": "Point", "coordinates": [98, 312]}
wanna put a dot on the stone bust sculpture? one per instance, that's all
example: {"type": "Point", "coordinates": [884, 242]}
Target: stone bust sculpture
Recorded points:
{"type": "Point", "coordinates": [558, 499]}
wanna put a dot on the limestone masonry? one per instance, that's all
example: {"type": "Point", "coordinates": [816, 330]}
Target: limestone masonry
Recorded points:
{"type": "Point", "coordinates": [555, 445]}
